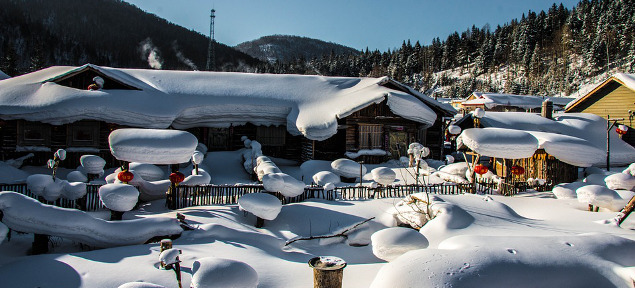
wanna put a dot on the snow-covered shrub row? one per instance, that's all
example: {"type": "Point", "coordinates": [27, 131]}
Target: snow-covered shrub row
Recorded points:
{"type": "Point", "coordinates": [253, 150]}
{"type": "Point", "coordinates": [390, 243]}
{"type": "Point", "coordinates": [212, 272]}
{"type": "Point", "coordinates": [264, 166]}
{"type": "Point", "coordinates": [347, 168]}
{"type": "Point", "coordinates": [78, 225]}
{"type": "Point", "coordinates": [49, 189]}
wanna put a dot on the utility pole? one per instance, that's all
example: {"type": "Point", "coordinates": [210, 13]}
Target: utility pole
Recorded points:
{"type": "Point", "coordinates": [211, 53]}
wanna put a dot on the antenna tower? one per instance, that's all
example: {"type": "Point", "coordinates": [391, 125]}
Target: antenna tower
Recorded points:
{"type": "Point", "coordinates": [211, 53]}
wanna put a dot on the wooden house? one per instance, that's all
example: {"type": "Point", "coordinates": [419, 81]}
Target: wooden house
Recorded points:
{"type": "Point", "coordinates": [551, 148]}
{"type": "Point", "coordinates": [614, 98]}
{"type": "Point", "coordinates": [510, 102]}
{"type": "Point", "coordinates": [297, 117]}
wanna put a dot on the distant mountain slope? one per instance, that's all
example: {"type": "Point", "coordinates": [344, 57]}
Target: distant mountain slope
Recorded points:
{"type": "Point", "coordinates": [286, 48]}
{"type": "Point", "coordinates": [41, 33]}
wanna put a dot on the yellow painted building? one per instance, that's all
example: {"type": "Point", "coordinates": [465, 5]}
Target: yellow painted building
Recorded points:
{"type": "Point", "coordinates": [613, 98]}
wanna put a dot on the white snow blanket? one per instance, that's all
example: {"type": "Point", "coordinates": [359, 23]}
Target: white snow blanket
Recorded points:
{"type": "Point", "coordinates": [308, 105]}
{"type": "Point", "coordinates": [11, 175]}
{"type": "Point", "coordinates": [92, 164]}
{"type": "Point", "coordinates": [44, 185]}
{"type": "Point", "coordinates": [347, 168]}
{"type": "Point", "coordinates": [323, 177]}
{"type": "Point", "coordinates": [630, 169]}
{"type": "Point", "coordinates": [459, 168]}
{"type": "Point", "coordinates": [118, 197]}
{"type": "Point", "coordinates": [263, 205]}
{"type": "Point", "coordinates": [600, 196]}
{"type": "Point", "coordinates": [366, 152]}
{"type": "Point", "coordinates": [213, 272]}
{"type": "Point", "coordinates": [567, 190]}
{"type": "Point", "coordinates": [596, 260]}
{"type": "Point", "coordinates": [383, 175]}
{"type": "Point", "coordinates": [25, 214]}
{"type": "Point", "coordinates": [620, 181]}
{"type": "Point", "coordinates": [283, 183]}
{"type": "Point", "coordinates": [154, 146]}
{"type": "Point", "coordinates": [498, 142]}
{"type": "Point", "coordinates": [201, 179]}
{"type": "Point", "coordinates": [390, 243]}
{"type": "Point", "coordinates": [148, 172]}
{"type": "Point", "coordinates": [140, 285]}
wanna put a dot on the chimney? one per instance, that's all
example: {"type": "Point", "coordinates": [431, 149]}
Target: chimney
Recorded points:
{"type": "Point", "coordinates": [547, 109]}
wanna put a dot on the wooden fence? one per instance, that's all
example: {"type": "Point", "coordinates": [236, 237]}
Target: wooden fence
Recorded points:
{"type": "Point", "coordinates": [90, 202]}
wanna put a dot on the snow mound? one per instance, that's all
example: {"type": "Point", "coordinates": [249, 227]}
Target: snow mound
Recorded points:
{"type": "Point", "coordinates": [140, 285]}
{"type": "Point", "coordinates": [45, 186]}
{"type": "Point", "coordinates": [620, 181]}
{"type": "Point", "coordinates": [507, 261]}
{"type": "Point", "coordinates": [499, 142]}
{"type": "Point", "coordinates": [76, 176]}
{"type": "Point", "coordinates": [383, 175]}
{"type": "Point", "coordinates": [11, 175]}
{"type": "Point", "coordinates": [390, 243]}
{"type": "Point", "coordinates": [154, 146]}
{"type": "Point", "coordinates": [567, 190]}
{"type": "Point", "coordinates": [92, 164]}
{"type": "Point", "coordinates": [595, 179]}
{"type": "Point", "coordinates": [4, 231]}
{"type": "Point", "coordinates": [600, 196]}
{"type": "Point", "coordinates": [148, 172]}
{"type": "Point", "coordinates": [323, 177]}
{"type": "Point", "coordinates": [459, 179]}
{"type": "Point", "coordinates": [24, 214]}
{"type": "Point", "coordinates": [265, 166]}
{"type": "Point", "coordinates": [347, 168]}
{"type": "Point", "coordinates": [447, 217]}
{"type": "Point", "coordinates": [74, 190]}
{"type": "Point", "coordinates": [212, 272]}
{"type": "Point", "coordinates": [118, 197]}
{"type": "Point", "coordinates": [263, 205]}
{"type": "Point", "coordinates": [283, 183]}
{"type": "Point", "coordinates": [630, 169]}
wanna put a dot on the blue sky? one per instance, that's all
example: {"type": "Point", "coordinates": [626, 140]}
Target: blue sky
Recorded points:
{"type": "Point", "coordinates": [356, 23]}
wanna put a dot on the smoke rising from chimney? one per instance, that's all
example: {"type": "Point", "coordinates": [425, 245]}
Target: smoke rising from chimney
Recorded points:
{"type": "Point", "coordinates": [182, 58]}
{"type": "Point", "coordinates": [150, 53]}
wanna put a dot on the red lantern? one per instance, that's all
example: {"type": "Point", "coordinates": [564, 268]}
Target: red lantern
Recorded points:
{"type": "Point", "coordinates": [177, 177]}
{"type": "Point", "coordinates": [480, 169]}
{"type": "Point", "coordinates": [620, 131]}
{"type": "Point", "coordinates": [518, 170]}
{"type": "Point", "coordinates": [125, 176]}
{"type": "Point", "coordinates": [93, 87]}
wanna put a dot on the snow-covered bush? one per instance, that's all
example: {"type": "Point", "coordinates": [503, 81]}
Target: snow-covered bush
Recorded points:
{"type": "Point", "coordinates": [49, 189]}
{"type": "Point", "coordinates": [92, 164]}
{"type": "Point", "coordinates": [262, 205]}
{"type": "Point", "coordinates": [154, 146]}
{"type": "Point", "coordinates": [323, 177]}
{"type": "Point", "coordinates": [621, 181]}
{"type": "Point", "coordinates": [283, 183]}
{"type": "Point", "coordinates": [76, 176]}
{"type": "Point", "coordinates": [459, 179]}
{"type": "Point", "coordinates": [265, 166]}
{"type": "Point", "coordinates": [118, 197]}
{"type": "Point", "coordinates": [383, 175]}
{"type": "Point", "coordinates": [74, 190]}
{"type": "Point", "coordinates": [598, 195]}
{"type": "Point", "coordinates": [347, 168]}
{"type": "Point", "coordinates": [212, 272]}
{"type": "Point", "coordinates": [455, 168]}
{"type": "Point", "coordinates": [413, 210]}
{"type": "Point", "coordinates": [391, 243]}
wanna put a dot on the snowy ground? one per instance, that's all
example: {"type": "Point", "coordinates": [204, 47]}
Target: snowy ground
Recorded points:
{"type": "Point", "coordinates": [497, 240]}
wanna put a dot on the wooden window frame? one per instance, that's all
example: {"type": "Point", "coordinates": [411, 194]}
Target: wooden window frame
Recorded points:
{"type": "Point", "coordinates": [42, 128]}
{"type": "Point", "coordinates": [371, 136]}
{"type": "Point", "coordinates": [274, 136]}
{"type": "Point", "coordinates": [93, 130]}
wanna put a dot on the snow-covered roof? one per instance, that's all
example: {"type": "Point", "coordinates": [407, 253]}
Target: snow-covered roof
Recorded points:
{"type": "Point", "coordinates": [308, 105]}
{"type": "Point", "coordinates": [4, 75]}
{"type": "Point", "coordinates": [628, 80]}
{"type": "Point", "coordinates": [491, 100]}
{"type": "Point", "coordinates": [575, 138]}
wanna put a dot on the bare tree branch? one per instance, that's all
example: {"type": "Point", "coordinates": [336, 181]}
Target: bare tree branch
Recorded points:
{"type": "Point", "coordinates": [341, 234]}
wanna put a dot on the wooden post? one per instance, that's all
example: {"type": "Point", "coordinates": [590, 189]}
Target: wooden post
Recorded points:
{"type": "Point", "coordinates": [328, 272]}
{"type": "Point", "coordinates": [259, 222]}
{"type": "Point", "coordinates": [40, 244]}
{"type": "Point", "coordinates": [116, 215]}
{"type": "Point", "coordinates": [165, 244]}
{"type": "Point", "coordinates": [627, 210]}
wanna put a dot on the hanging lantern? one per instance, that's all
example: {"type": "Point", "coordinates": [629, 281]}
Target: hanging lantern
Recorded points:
{"type": "Point", "coordinates": [177, 177]}
{"type": "Point", "coordinates": [480, 169]}
{"type": "Point", "coordinates": [93, 87]}
{"type": "Point", "coordinates": [125, 176]}
{"type": "Point", "coordinates": [621, 129]}
{"type": "Point", "coordinates": [518, 170]}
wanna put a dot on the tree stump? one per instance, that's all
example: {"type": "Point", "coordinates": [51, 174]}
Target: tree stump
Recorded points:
{"type": "Point", "coordinates": [328, 271]}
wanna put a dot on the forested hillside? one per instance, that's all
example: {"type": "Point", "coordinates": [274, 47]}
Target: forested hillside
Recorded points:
{"type": "Point", "coordinates": [41, 33]}
{"type": "Point", "coordinates": [545, 53]}
{"type": "Point", "coordinates": [284, 48]}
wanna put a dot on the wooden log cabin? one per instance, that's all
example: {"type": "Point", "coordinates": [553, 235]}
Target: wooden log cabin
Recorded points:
{"type": "Point", "coordinates": [293, 116]}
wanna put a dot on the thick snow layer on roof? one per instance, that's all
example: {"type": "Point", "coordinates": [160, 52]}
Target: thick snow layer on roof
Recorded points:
{"type": "Point", "coordinates": [154, 146]}
{"type": "Point", "coordinates": [25, 214]}
{"type": "Point", "coordinates": [627, 79]}
{"type": "Point", "coordinates": [499, 143]}
{"type": "Point", "coordinates": [575, 138]}
{"type": "Point", "coordinates": [491, 100]}
{"type": "Point", "coordinates": [307, 105]}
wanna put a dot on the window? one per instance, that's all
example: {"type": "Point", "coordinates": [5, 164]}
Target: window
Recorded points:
{"type": "Point", "coordinates": [271, 135]}
{"type": "Point", "coordinates": [371, 136]}
{"type": "Point", "coordinates": [83, 134]}
{"type": "Point", "coordinates": [33, 133]}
